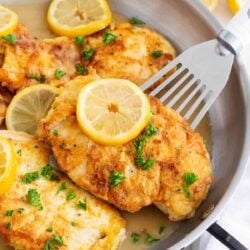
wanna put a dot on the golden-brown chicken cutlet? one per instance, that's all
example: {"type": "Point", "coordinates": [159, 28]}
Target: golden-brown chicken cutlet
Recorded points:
{"type": "Point", "coordinates": [31, 61]}
{"type": "Point", "coordinates": [176, 149]}
{"type": "Point", "coordinates": [64, 216]}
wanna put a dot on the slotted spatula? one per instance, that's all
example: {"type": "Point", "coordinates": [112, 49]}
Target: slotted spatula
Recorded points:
{"type": "Point", "coordinates": [202, 71]}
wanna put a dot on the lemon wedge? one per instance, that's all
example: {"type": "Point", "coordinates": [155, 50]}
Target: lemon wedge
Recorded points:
{"type": "Point", "coordinates": [112, 111]}
{"type": "Point", "coordinates": [78, 17]}
{"type": "Point", "coordinates": [8, 20]}
{"type": "Point", "coordinates": [29, 106]}
{"type": "Point", "coordinates": [211, 4]}
{"type": "Point", "coordinates": [8, 165]}
{"type": "Point", "coordinates": [235, 5]}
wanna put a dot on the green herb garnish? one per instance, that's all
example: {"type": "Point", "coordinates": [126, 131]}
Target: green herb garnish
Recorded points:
{"type": "Point", "coordinates": [10, 38]}
{"type": "Point", "coordinates": [115, 178]}
{"type": "Point", "coordinates": [157, 53]}
{"type": "Point", "coordinates": [136, 21]}
{"type": "Point", "coordinates": [189, 178]}
{"type": "Point", "coordinates": [30, 177]}
{"type": "Point", "coordinates": [54, 243]}
{"type": "Point", "coordinates": [82, 204]}
{"type": "Point", "coordinates": [9, 225]}
{"type": "Point", "coordinates": [39, 78]}
{"type": "Point", "coordinates": [19, 152]}
{"type": "Point", "coordinates": [70, 196]}
{"type": "Point", "coordinates": [48, 173]}
{"type": "Point", "coordinates": [49, 229]}
{"type": "Point", "coordinates": [59, 74]}
{"type": "Point", "coordinates": [73, 224]}
{"type": "Point", "coordinates": [135, 237]}
{"type": "Point", "coordinates": [9, 213]}
{"type": "Point", "coordinates": [61, 188]}
{"type": "Point", "coordinates": [33, 198]}
{"type": "Point", "coordinates": [161, 229]}
{"type": "Point", "coordinates": [80, 40]}
{"type": "Point", "coordinates": [81, 70]}
{"type": "Point", "coordinates": [150, 240]}
{"type": "Point", "coordinates": [20, 210]}
{"type": "Point", "coordinates": [108, 37]}
{"type": "Point", "coordinates": [55, 132]}
{"type": "Point", "coordinates": [88, 54]}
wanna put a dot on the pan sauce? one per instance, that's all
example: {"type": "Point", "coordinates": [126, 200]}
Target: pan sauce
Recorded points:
{"type": "Point", "coordinates": [150, 219]}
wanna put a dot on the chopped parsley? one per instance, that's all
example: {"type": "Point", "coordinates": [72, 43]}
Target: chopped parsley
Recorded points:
{"type": "Point", "coordinates": [39, 78]}
{"type": "Point", "coordinates": [115, 178]}
{"type": "Point", "coordinates": [20, 210]}
{"type": "Point", "coordinates": [48, 173]}
{"type": "Point", "coordinates": [10, 38]}
{"type": "Point", "coordinates": [73, 224]}
{"type": "Point", "coordinates": [59, 74]}
{"type": "Point", "coordinates": [33, 198]}
{"type": "Point", "coordinates": [61, 188]}
{"type": "Point", "coordinates": [161, 229]}
{"type": "Point", "coordinates": [49, 229]}
{"type": "Point", "coordinates": [157, 53]}
{"type": "Point", "coordinates": [145, 164]}
{"type": "Point", "coordinates": [82, 204]}
{"type": "Point", "coordinates": [9, 225]}
{"type": "Point", "coordinates": [9, 213]}
{"type": "Point", "coordinates": [55, 132]}
{"type": "Point", "coordinates": [88, 54]}
{"type": "Point", "coordinates": [81, 70]}
{"type": "Point", "coordinates": [80, 40]}
{"type": "Point", "coordinates": [62, 146]}
{"type": "Point", "coordinates": [136, 21]}
{"type": "Point", "coordinates": [189, 178]}
{"type": "Point", "coordinates": [151, 240]}
{"type": "Point", "coordinates": [70, 196]}
{"type": "Point", "coordinates": [30, 177]}
{"type": "Point", "coordinates": [19, 152]}
{"type": "Point", "coordinates": [54, 243]}
{"type": "Point", "coordinates": [108, 37]}
{"type": "Point", "coordinates": [135, 237]}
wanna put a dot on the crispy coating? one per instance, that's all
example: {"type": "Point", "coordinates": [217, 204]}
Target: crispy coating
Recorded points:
{"type": "Point", "coordinates": [176, 149]}
{"type": "Point", "coordinates": [129, 57]}
{"type": "Point", "coordinates": [98, 227]}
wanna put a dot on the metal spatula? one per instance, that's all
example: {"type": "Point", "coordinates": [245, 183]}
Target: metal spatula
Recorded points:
{"type": "Point", "coordinates": [201, 72]}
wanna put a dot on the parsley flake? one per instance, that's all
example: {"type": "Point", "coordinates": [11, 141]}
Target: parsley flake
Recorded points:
{"type": "Point", "coordinates": [70, 196]}
{"type": "Point", "coordinates": [30, 177]}
{"type": "Point", "coordinates": [33, 198]}
{"type": "Point", "coordinates": [10, 38]}
{"type": "Point", "coordinates": [73, 224]}
{"type": "Point", "coordinates": [59, 74]}
{"type": "Point", "coordinates": [55, 132]}
{"type": "Point", "coordinates": [135, 237]}
{"type": "Point", "coordinates": [19, 152]}
{"type": "Point", "coordinates": [161, 229]}
{"type": "Point", "coordinates": [81, 70]}
{"type": "Point", "coordinates": [20, 210]}
{"type": "Point", "coordinates": [157, 53]}
{"type": "Point", "coordinates": [80, 40]}
{"type": "Point", "coordinates": [115, 178]}
{"type": "Point", "coordinates": [150, 240]}
{"type": "Point", "coordinates": [82, 204]}
{"type": "Point", "coordinates": [9, 225]}
{"type": "Point", "coordinates": [9, 213]}
{"type": "Point", "coordinates": [61, 188]}
{"type": "Point", "coordinates": [189, 178]}
{"type": "Point", "coordinates": [108, 37]}
{"type": "Point", "coordinates": [88, 54]}
{"type": "Point", "coordinates": [49, 229]}
{"type": "Point", "coordinates": [136, 21]}
{"type": "Point", "coordinates": [48, 173]}
{"type": "Point", "coordinates": [54, 243]}
{"type": "Point", "coordinates": [39, 78]}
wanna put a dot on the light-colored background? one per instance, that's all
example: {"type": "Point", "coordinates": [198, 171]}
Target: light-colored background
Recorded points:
{"type": "Point", "coordinates": [236, 217]}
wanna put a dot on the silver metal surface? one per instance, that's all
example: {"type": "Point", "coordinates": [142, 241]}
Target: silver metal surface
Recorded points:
{"type": "Point", "coordinates": [187, 23]}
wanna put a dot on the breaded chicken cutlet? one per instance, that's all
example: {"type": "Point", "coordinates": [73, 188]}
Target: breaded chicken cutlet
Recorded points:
{"type": "Point", "coordinates": [30, 61]}
{"type": "Point", "coordinates": [177, 151]}
{"type": "Point", "coordinates": [62, 217]}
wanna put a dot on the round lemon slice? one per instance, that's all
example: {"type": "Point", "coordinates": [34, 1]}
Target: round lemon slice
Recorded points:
{"type": "Point", "coordinates": [211, 4]}
{"type": "Point", "coordinates": [29, 106]}
{"type": "Point", "coordinates": [235, 5]}
{"type": "Point", "coordinates": [8, 165]}
{"type": "Point", "coordinates": [8, 20]}
{"type": "Point", "coordinates": [78, 17]}
{"type": "Point", "coordinates": [112, 111]}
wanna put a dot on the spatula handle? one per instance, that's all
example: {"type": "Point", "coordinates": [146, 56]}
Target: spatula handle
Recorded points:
{"type": "Point", "coordinates": [237, 32]}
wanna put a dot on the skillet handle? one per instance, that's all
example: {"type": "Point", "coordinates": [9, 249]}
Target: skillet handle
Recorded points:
{"type": "Point", "coordinates": [225, 238]}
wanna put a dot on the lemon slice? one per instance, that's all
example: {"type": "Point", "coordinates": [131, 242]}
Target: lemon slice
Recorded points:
{"type": "Point", "coordinates": [112, 111]}
{"type": "Point", "coordinates": [78, 17]}
{"type": "Point", "coordinates": [235, 5]}
{"type": "Point", "coordinates": [29, 106]}
{"type": "Point", "coordinates": [8, 165]}
{"type": "Point", "coordinates": [8, 20]}
{"type": "Point", "coordinates": [211, 4]}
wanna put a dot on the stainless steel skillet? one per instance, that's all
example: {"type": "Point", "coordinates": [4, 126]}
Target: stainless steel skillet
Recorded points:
{"type": "Point", "coordinates": [185, 23]}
